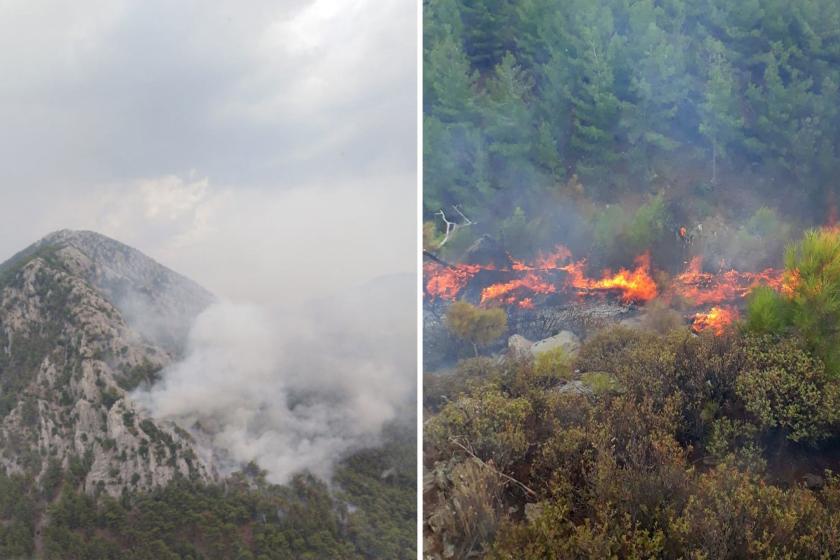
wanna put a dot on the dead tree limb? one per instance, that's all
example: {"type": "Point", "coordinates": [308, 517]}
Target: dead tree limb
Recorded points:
{"type": "Point", "coordinates": [452, 227]}
{"type": "Point", "coordinates": [440, 261]}
{"type": "Point", "coordinates": [495, 470]}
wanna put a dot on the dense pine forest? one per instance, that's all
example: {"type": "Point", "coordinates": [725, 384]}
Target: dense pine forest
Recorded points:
{"type": "Point", "coordinates": [360, 514]}
{"type": "Point", "coordinates": [702, 134]}
{"type": "Point", "coordinates": [714, 103]}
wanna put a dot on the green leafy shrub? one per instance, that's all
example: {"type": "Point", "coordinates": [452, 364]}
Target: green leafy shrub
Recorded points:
{"type": "Point", "coordinates": [601, 382]}
{"type": "Point", "coordinates": [765, 222]}
{"type": "Point", "coordinates": [606, 350]}
{"type": "Point", "coordinates": [810, 305]}
{"type": "Point", "coordinates": [785, 388]}
{"type": "Point", "coordinates": [442, 386]}
{"type": "Point", "coordinates": [474, 325]}
{"type": "Point", "coordinates": [467, 503]}
{"type": "Point", "coordinates": [607, 225]}
{"type": "Point", "coordinates": [486, 422]}
{"type": "Point", "coordinates": [524, 238]}
{"type": "Point", "coordinates": [552, 366]}
{"type": "Point", "coordinates": [814, 263]}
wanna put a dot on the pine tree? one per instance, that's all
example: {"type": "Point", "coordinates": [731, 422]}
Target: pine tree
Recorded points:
{"type": "Point", "coordinates": [507, 116]}
{"type": "Point", "coordinates": [596, 109]}
{"type": "Point", "coordinates": [489, 29]}
{"type": "Point", "coordinates": [454, 153]}
{"type": "Point", "coordinates": [658, 84]}
{"type": "Point", "coordinates": [448, 82]}
{"type": "Point", "coordinates": [720, 120]}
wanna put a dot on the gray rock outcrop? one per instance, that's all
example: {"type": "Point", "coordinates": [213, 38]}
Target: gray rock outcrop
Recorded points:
{"type": "Point", "coordinates": [71, 352]}
{"type": "Point", "coordinates": [567, 340]}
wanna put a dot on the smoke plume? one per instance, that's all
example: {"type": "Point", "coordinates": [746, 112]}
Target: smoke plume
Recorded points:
{"type": "Point", "coordinates": [295, 390]}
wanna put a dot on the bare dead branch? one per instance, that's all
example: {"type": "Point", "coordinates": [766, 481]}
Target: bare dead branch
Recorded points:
{"type": "Point", "coordinates": [452, 227]}
{"type": "Point", "coordinates": [495, 470]}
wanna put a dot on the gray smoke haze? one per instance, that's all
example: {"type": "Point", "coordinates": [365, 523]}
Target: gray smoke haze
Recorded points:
{"type": "Point", "coordinates": [267, 151]}
{"type": "Point", "coordinates": [256, 148]}
{"type": "Point", "coordinates": [295, 389]}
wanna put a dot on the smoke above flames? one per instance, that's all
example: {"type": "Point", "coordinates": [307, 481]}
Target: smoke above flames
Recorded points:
{"type": "Point", "coordinates": [294, 390]}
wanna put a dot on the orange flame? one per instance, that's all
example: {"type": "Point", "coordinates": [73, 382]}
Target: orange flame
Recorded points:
{"type": "Point", "coordinates": [636, 285]}
{"type": "Point", "coordinates": [789, 283]}
{"type": "Point", "coordinates": [504, 293]}
{"type": "Point", "coordinates": [552, 260]}
{"type": "Point", "coordinates": [704, 288]}
{"type": "Point", "coordinates": [544, 262]}
{"type": "Point", "coordinates": [716, 320]}
{"type": "Point", "coordinates": [446, 282]}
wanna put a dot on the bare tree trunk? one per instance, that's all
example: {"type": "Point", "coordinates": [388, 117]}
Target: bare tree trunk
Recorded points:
{"type": "Point", "coordinates": [452, 227]}
{"type": "Point", "coordinates": [714, 161]}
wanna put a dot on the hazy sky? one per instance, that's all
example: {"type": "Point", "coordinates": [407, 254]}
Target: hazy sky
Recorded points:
{"type": "Point", "coordinates": [263, 148]}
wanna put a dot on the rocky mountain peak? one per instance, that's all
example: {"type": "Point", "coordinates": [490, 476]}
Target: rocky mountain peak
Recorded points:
{"type": "Point", "coordinates": [84, 320]}
{"type": "Point", "coordinates": [156, 301]}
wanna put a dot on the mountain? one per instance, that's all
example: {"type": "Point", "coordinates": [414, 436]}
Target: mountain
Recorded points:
{"type": "Point", "coordinates": [154, 300]}
{"type": "Point", "coordinates": [85, 473]}
{"type": "Point", "coordinates": [84, 320]}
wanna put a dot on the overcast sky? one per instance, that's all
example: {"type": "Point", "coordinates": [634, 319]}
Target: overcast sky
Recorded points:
{"type": "Point", "coordinates": [262, 148]}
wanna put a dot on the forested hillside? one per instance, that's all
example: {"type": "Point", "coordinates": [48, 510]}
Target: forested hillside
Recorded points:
{"type": "Point", "coordinates": [632, 279]}
{"type": "Point", "coordinates": [363, 515]}
{"type": "Point", "coordinates": [88, 473]}
{"type": "Point", "coordinates": [615, 100]}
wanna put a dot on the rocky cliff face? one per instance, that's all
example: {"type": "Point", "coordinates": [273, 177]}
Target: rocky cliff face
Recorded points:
{"type": "Point", "coordinates": [83, 321]}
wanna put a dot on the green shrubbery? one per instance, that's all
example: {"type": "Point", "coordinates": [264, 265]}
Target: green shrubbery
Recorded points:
{"type": "Point", "coordinates": [552, 366]}
{"type": "Point", "coordinates": [647, 225]}
{"type": "Point", "coordinates": [476, 326]}
{"type": "Point", "coordinates": [785, 388]}
{"type": "Point", "coordinates": [671, 454]}
{"type": "Point", "coordinates": [809, 307]}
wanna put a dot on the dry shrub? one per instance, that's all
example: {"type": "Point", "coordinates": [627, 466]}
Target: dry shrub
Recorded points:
{"type": "Point", "coordinates": [465, 509]}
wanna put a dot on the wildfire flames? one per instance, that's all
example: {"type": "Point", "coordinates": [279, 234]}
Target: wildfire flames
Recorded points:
{"type": "Point", "coordinates": [634, 286]}
{"type": "Point", "coordinates": [506, 293]}
{"type": "Point", "coordinates": [715, 320]}
{"type": "Point", "coordinates": [446, 282]}
{"type": "Point", "coordinates": [557, 273]}
{"type": "Point", "coordinates": [537, 278]}
{"type": "Point", "coordinates": [703, 288]}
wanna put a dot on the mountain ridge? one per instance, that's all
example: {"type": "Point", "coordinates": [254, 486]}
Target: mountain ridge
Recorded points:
{"type": "Point", "coordinates": [156, 300]}
{"type": "Point", "coordinates": [73, 344]}
{"type": "Point", "coordinates": [86, 472]}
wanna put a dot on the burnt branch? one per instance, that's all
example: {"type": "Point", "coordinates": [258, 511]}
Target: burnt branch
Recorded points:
{"type": "Point", "coordinates": [492, 468]}
{"type": "Point", "coordinates": [452, 227]}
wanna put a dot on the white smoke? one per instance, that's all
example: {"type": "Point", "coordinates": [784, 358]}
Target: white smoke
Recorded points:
{"type": "Point", "coordinates": [294, 391]}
